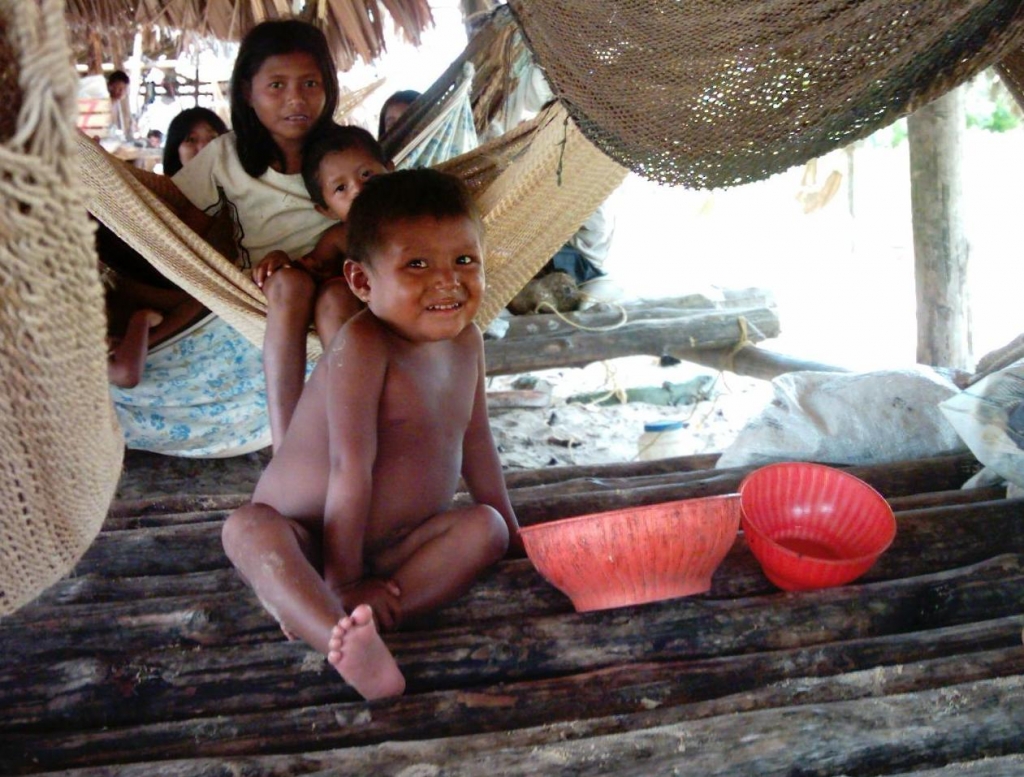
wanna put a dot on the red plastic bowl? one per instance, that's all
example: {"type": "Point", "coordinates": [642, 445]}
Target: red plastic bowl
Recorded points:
{"type": "Point", "coordinates": [812, 526]}
{"type": "Point", "coordinates": [635, 555]}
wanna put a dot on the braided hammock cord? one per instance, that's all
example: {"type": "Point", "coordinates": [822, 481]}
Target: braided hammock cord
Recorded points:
{"type": "Point", "coordinates": [60, 446]}
{"type": "Point", "coordinates": [715, 93]}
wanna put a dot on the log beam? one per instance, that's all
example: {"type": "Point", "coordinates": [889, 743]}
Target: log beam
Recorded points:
{"type": "Point", "coordinates": [654, 337]}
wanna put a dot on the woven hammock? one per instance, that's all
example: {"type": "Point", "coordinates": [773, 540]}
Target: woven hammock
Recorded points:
{"type": "Point", "coordinates": [547, 160]}
{"type": "Point", "coordinates": [450, 133]}
{"type": "Point", "coordinates": [713, 93]}
{"type": "Point", "coordinates": [60, 446]}
{"type": "Point", "coordinates": [488, 58]}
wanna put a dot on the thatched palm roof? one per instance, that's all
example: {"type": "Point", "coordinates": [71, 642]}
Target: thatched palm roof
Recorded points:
{"type": "Point", "coordinates": [354, 28]}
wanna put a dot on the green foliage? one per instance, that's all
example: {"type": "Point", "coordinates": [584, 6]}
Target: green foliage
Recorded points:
{"type": "Point", "coordinates": [1000, 119]}
{"type": "Point", "coordinates": [990, 105]}
{"type": "Point", "coordinates": [899, 132]}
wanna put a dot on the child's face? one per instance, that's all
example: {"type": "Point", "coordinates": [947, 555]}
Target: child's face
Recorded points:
{"type": "Point", "coordinates": [196, 140]}
{"type": "Point", "coordinates": [342, 176]}
{"type": "Point", "coordinates": [117, 90]}
{"type": "Point", "coordinates": [427, 280]}
{"type": "Point", "coordinates": [393, 113]}
{"type": "Point", "coordinates": [287, 94]}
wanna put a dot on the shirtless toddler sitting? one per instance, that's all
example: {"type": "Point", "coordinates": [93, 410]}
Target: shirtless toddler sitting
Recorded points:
{"type": "Point", "coordinates": [352, 525]}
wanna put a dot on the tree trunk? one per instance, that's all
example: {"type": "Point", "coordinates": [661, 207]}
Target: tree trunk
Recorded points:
{"type": "Point", "coordinates": [940, 245]}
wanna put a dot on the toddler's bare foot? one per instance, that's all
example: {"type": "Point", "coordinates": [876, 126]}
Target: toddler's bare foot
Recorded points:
{"type": "Point", "coordinates": [361, 657]}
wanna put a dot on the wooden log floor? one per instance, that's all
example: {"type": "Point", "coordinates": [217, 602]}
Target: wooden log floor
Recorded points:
{"type": "Point", "coordinates": [152, 658]}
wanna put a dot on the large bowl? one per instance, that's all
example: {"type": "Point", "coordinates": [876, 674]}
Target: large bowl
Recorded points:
{"type": "Point", "coordinates": [812, 526]}
{"type": "Point", "coordinates": [635, 555]}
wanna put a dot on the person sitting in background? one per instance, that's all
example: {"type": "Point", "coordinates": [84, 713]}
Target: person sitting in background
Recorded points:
{"type": "Point", "coordinates": [337, 163]}
{"type": "Point", "coordinates": [144, 308]}
{"type": "Point", "coordinates": [188, 134]}
{"type": "Point", "coordinates": [393, 108]}
{"type": "Point", "coordinates": [120, 117]}
{"type": "Point", "coordinates": [574, 278]}
{"type": "Point", "coordinates": [126, 358]}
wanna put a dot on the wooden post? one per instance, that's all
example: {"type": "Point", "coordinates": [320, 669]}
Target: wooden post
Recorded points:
{"type": "Point", "coordinates": [95, 53]}
{"type": "Point", "coordinates": [940, 246]}
{"type": "Point", "coordinates": [473, 11]}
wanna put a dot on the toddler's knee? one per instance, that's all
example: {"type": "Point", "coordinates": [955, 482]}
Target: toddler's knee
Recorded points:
{"type": "Point", "coordinates": [239, 531]}
{"type": "Point", "coordinates": [289, 283]}
{"type": "Point", "coordinates": [493, 533]}
{"type": "Point", "coordinates": [232, 532]}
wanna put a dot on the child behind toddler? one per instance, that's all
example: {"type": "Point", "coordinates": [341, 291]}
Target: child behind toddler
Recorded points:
{"type": "Point", "coordinates": [337, 162]}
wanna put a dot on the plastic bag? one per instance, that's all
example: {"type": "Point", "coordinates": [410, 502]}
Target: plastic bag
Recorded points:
{"type": "Point", "coordinates": [989, 417]}
{"type": "Point", "coordinates": [849, 418]}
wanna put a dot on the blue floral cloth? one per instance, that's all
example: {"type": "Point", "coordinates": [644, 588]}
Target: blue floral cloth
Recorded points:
{"type": "Point", "coordinates": [202, 395]}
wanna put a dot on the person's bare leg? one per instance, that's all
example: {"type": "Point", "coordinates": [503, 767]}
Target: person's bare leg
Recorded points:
{"type": "Point", "coordinates": [128, 359]}
{"type": "Point", "coordinates": [361, 657]}
{"type": "Point", "coordinates": [270, 552]}
{"type": "Point", "coordinates": [438, 562]}
{"type": "Point", "coordinates": [335, 304]}
{"type": "Point", "coordinates": [178, 308]}
{"type": "Point", "coordinates": [177, 319]}
{"type": "Point", "coordinates": [289, 294]}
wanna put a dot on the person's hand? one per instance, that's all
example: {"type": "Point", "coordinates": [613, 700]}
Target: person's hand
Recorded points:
{"type": "Point", "coordinates": [270, 264]}
{"type": "Point", "coordinates": [382, 595]}
{"type": "Point", "coordinates": [318, 269]}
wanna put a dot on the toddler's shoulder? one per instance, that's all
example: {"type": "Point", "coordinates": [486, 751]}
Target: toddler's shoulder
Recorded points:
{"type": "Point", "coordinates": [364, 332]}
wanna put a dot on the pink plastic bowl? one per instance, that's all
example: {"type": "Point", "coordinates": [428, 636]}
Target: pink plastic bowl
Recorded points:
{"type": "Point", "coordinates": [635, 555]}
{"type": "Point", "coordinates": [812, 526]}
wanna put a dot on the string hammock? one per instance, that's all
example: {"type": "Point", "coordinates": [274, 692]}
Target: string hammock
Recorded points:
{"type": "Point", "coordinates": [450, 132]}
{"type": "Point", "coordinates": [708, 94]}
{"type": "Point", "coordinates": [60, 446]}
{"type": "Point", "coordinates": [482, 75]}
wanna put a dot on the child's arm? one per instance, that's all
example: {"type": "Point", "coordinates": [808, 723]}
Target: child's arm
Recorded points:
{"type": "Point", "coordinates": [323, 262]}
{"type": "Point", "coordinates": [481, 466]}
{"type": "Point", "coordinates": [326, 259]}
{"type": "Point", "coordinates": [355, 381]}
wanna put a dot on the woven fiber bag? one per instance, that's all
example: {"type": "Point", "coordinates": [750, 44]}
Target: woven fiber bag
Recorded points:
{"type": "Point", "coordinates": [60, 447]}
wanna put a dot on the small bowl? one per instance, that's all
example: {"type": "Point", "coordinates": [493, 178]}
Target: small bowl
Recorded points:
{"type": "Point", "coordinates": [635, 555]}
{"type": "Point", "coordinates": [812, 526]}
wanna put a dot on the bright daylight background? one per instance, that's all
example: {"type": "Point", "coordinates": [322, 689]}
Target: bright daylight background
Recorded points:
{"type": "Point", "coordinates": [843, 275]}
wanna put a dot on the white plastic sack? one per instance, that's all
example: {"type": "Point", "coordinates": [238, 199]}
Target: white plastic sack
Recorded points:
{"type": "Point", "coordinates": [989, 416]}
{"type": "Point", "coordinates": [849, 418]}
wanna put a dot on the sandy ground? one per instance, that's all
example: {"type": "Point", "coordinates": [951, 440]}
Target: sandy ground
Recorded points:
{"type": "Point", "coordinates": [565, 432]}
{"type": "Point", "coordinates": [568, 432]}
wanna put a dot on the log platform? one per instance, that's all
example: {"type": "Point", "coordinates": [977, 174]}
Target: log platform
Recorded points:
{"type": "Point", "coordinates": [152, 658]}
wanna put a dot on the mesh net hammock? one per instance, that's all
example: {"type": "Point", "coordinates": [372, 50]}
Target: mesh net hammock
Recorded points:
{"type": "Point", "coordinates": [770, 85]}
{"type": "Point", "coordinates": [714, 93]}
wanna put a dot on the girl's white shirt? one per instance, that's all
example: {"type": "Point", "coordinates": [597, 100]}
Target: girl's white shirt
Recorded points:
{"type": "Point", "coordinates": [271, 212]}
